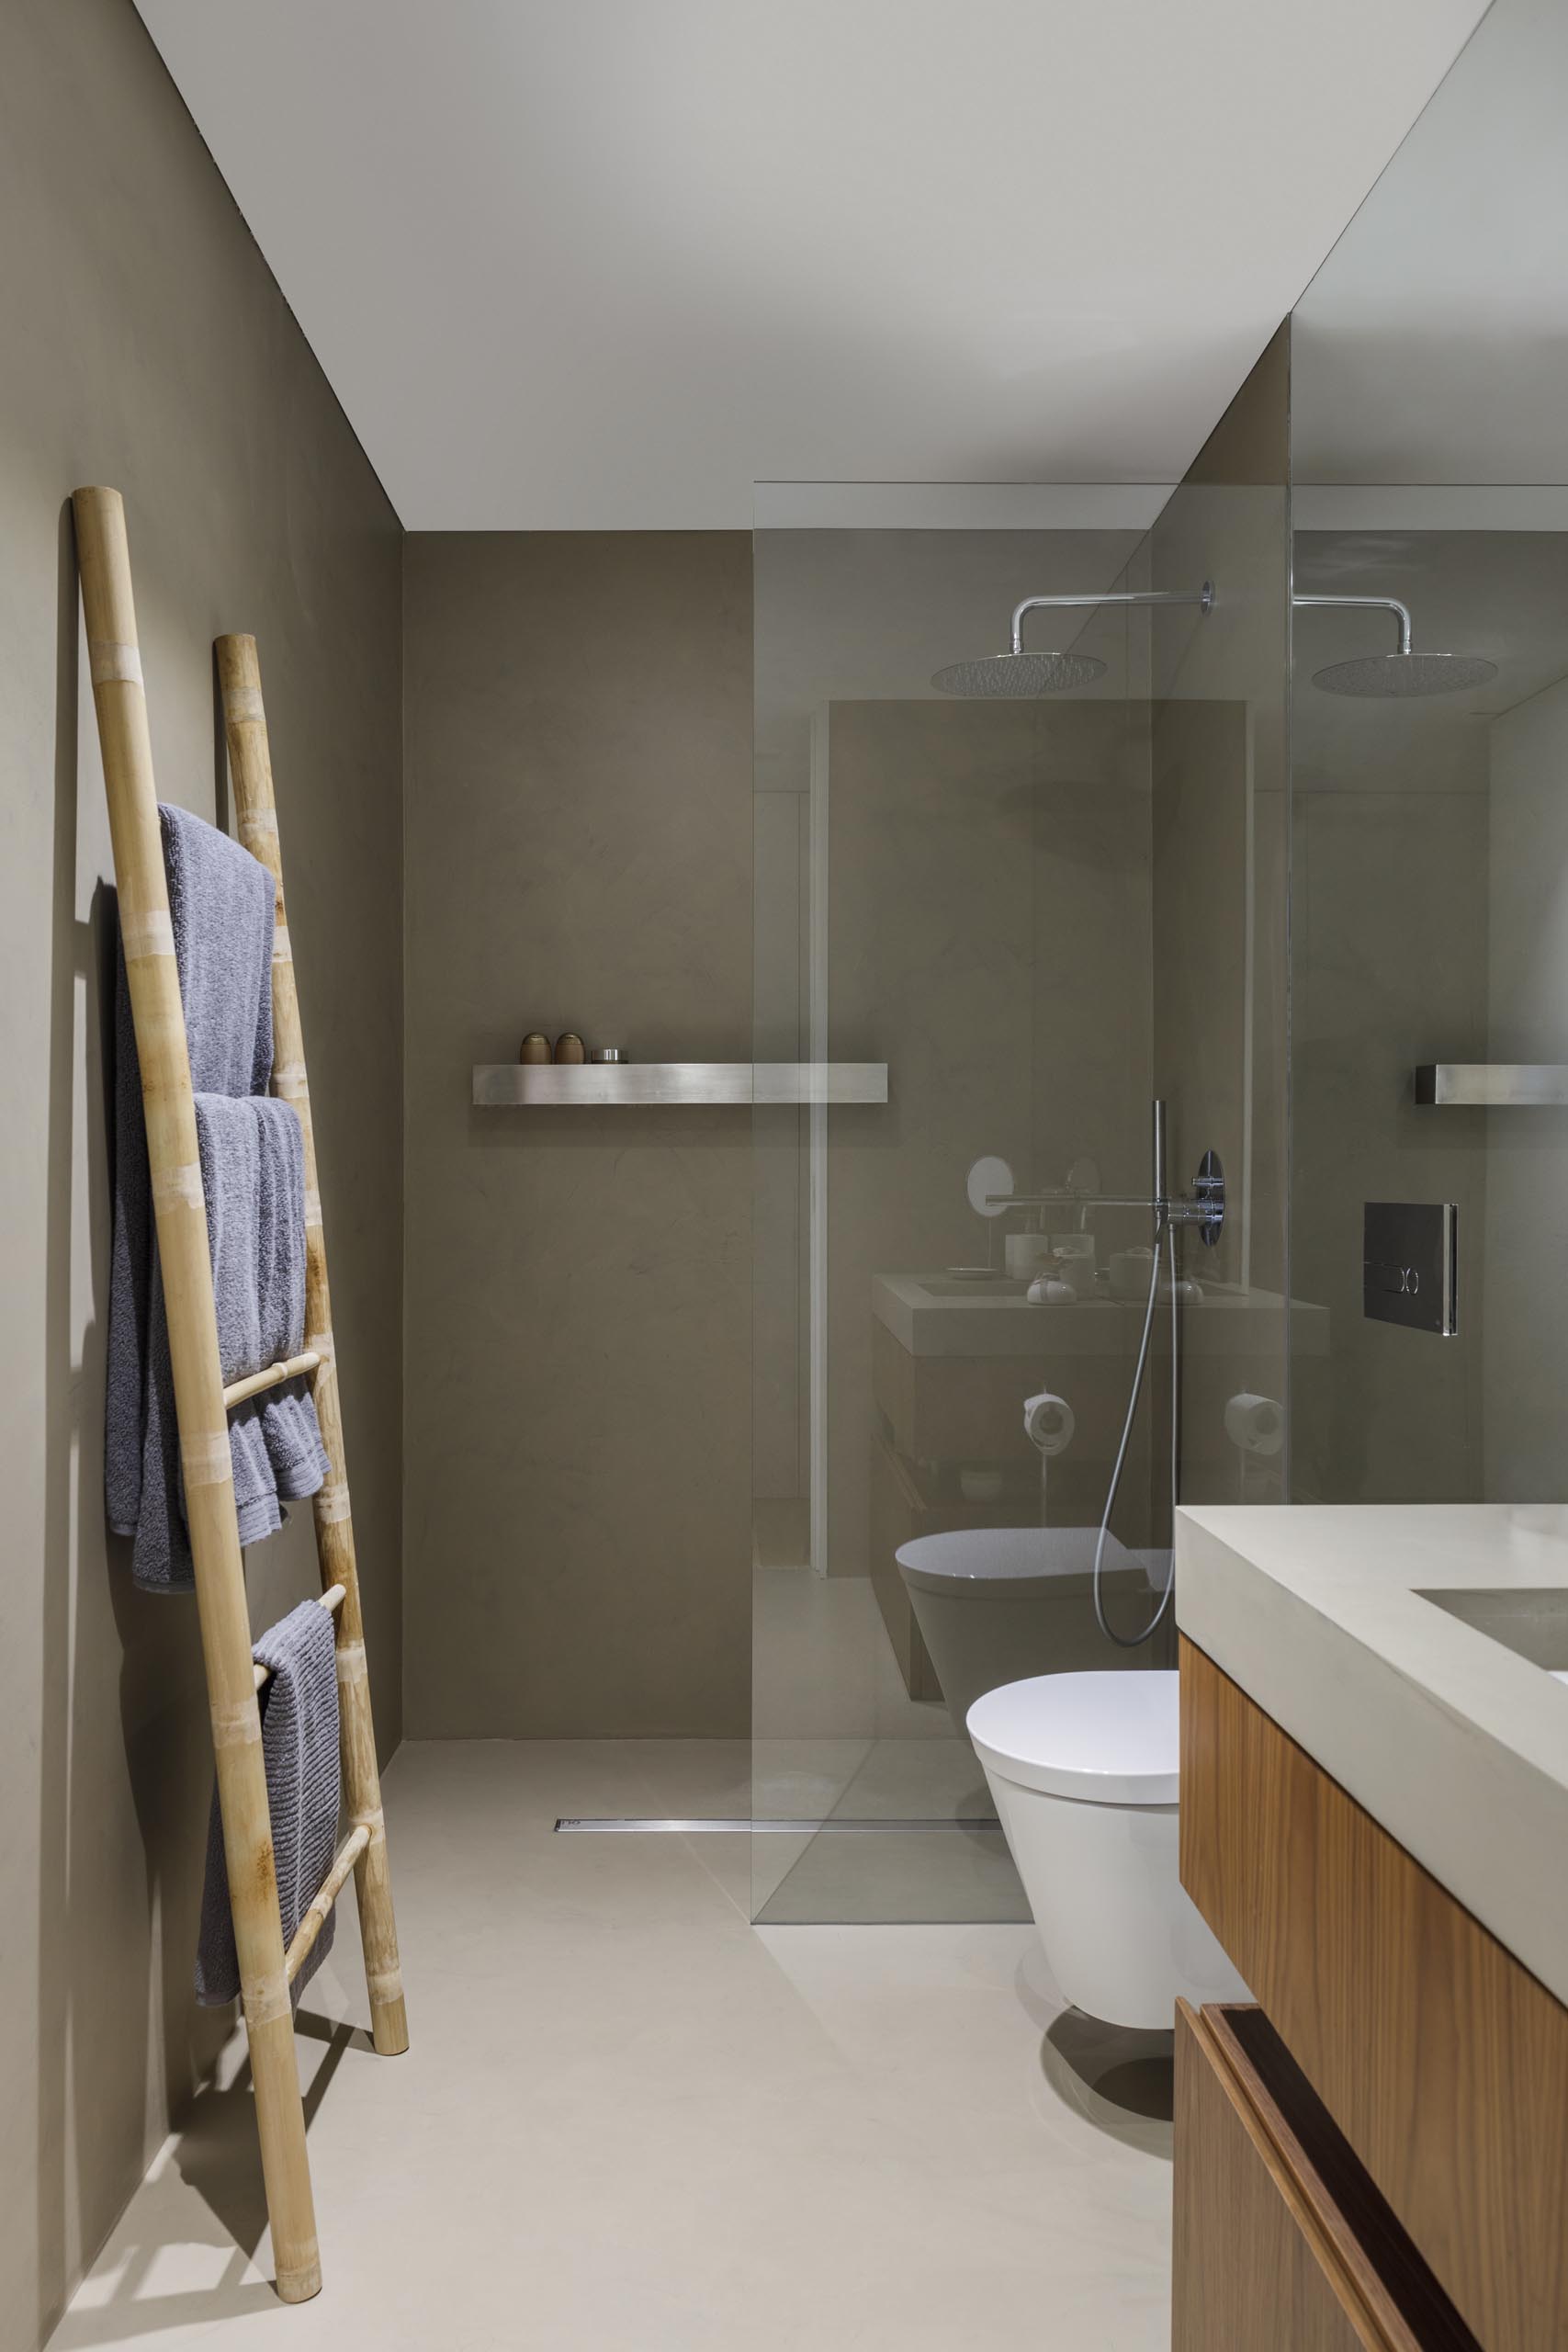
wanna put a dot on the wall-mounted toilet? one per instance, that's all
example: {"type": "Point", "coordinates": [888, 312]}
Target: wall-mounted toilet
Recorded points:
{"type": "Point", "coordinates": [996, 1603]}
{"type": "Point", "coordinates": [1085, 1772]}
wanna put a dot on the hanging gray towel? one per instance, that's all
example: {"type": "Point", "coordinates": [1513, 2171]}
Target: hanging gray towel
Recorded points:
{"type": "Point", "coordinates": [300, 1746]}
{"type": "Point", "coordinates": [221, 905]}
{"type": "Point", "coordinates": [252, 1174]}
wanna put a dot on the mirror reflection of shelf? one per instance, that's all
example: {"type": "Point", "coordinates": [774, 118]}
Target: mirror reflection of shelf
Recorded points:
{"type": "Point", "coordinates": [505, 1085]}
{"type": "Point", "coordinates": [1496, 1085]}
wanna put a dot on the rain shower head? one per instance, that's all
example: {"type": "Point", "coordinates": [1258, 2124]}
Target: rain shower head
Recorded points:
{"type": "Point", "coordinates": [1018, 676]}
{"type": "Point", "coordinates": [1393, 674]}
{"type": "Point", "coordinates": [1401, 675]}
{"type": "Point", "coordinates": [1000, 675]}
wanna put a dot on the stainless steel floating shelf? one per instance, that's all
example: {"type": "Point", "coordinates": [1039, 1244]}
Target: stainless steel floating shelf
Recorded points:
{"type": "Point", "coordinates": [1496, 1085]}
{"type": "Point", "coordinates": [505, 1085]}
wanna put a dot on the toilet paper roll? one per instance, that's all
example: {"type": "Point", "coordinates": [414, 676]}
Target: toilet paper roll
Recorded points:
{"type": "Point", "coordinates": [1256, 1424]}
{"type": "Point", "coordinates": [1049, 1423]}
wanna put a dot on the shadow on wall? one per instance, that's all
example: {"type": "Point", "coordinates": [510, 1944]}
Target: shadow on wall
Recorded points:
{"type": "Point", "coordinates": [215, 2153]}
{"type": "Point", "coordinates": [106, 2015]}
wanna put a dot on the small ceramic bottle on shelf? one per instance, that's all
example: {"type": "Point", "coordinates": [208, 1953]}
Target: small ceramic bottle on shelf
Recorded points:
{"type": "Point", "coordinates": [536, 1048]}
{"type": "Point", "coordinates": [568, 1047]}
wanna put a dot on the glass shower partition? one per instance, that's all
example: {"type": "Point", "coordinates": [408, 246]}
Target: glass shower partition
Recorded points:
{"type": "Point", "coordinates": [1430, 952]}
{"type": "Point", "coordinates": [1220, 787]}
{"type": "Point", "coordinates": [964, 889]}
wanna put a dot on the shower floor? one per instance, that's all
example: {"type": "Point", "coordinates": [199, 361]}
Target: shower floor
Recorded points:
{"type": "Point", "coordinates": [632, 2122]}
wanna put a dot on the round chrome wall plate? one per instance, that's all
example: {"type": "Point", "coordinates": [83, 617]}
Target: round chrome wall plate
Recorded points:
{"type": "Point", "coordinates": [1209, 1192]}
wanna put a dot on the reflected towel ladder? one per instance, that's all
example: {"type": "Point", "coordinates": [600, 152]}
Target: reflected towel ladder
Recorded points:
{"type": "Point", "coordinates": [201, 1400]}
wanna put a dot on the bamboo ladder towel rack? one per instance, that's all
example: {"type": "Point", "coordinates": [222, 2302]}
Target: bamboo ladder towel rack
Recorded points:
{"type": "Point", "coordinates": [201, 1400]}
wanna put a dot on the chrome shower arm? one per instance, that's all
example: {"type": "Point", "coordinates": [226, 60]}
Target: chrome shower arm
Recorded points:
{"type": "Point", "coordinates": [1367, 604]}
{"type": "Point", "coordinates": [1067, 1200]}
{"type": "Point", "coordinates": [1203, 1206]}
{"type": "Point", "coordinates": [1203, 596]}
{"type": "Point", "coordinates": [1181, 1209]}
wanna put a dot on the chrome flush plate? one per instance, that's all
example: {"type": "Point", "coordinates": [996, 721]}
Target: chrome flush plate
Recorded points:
{"type": "Point", "coordinates": [1410, 1264]}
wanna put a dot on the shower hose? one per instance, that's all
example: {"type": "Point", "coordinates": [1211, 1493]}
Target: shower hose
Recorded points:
{"type": "Point", "coordinates": [1163, 1230]}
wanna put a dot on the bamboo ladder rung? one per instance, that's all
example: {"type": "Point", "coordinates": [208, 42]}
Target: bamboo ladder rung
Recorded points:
{"type": "Point", "coordinates": [332, 1601]}
{"type": "Point", "coordinates": [255, 810]}
{"type": "Point", "coordinates": [255, 1382]}
{"type": "Point", "coordinates": [331, 1886]}
{"type": "Point", "coordinates": [184, 1260]}
{"type": "Point", "coordinates": [201, 1398]}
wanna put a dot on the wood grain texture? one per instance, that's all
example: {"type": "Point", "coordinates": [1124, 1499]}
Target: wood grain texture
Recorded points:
{"type": "Point", "coordinates": [1256, 2258]}
{"type": "Point", "coordinates": [319, 1910]}
{"type": "Point", "coordinates": [1386, 2270]}
{"type": "Point", "coordinates": [1442, 2061]}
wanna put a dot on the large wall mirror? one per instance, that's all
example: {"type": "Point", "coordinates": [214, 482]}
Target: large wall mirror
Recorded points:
{"type": "Point", "coordinates": [1429, 783]}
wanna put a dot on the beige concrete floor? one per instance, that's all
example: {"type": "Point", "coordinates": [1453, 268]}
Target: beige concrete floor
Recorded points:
{"type": "Point", "coordinates": [837, 1733]}
{"type": "Point", "coordinates": [631, 2122]}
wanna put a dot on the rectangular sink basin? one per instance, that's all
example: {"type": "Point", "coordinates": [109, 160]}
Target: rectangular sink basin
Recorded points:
{"type": "Point", "coordinates": [1530, 1619]}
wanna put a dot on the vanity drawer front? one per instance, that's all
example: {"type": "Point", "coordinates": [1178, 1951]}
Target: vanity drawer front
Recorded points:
{"type": "Point", "coordinates": [1268, 2249]}
{"type": "Point", "coordinates": [1443, 2061]}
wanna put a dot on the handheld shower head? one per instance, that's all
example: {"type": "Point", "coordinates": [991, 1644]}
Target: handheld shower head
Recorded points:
{"type": "Point", "coordinates": [1403, 674]}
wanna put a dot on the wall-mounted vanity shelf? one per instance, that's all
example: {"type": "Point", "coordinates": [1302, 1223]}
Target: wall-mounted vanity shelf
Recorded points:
{"type": "Point", "coordinates": [506, 1085]}
{"type": "Point", "coordinates": [1496, 1085]}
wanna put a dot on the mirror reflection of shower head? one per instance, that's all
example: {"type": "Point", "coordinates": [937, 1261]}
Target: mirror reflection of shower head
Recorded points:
{"type": "Point", "coordinates": [1402, 675]}
{"type": "Point", "coordinates": [1017, 674]}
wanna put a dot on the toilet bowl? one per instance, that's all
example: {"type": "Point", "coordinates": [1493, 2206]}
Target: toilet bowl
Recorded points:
{"type": "Point", "coordinates": [1084, 1771]}
{"type": "Point", "coordinates": [994, 1603]}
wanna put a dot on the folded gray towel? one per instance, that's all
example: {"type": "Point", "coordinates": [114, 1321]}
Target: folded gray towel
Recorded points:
{"type": "Point", "coordinates": [299, 1743]}
{"type": "Point", "coordinates": [220, 903]}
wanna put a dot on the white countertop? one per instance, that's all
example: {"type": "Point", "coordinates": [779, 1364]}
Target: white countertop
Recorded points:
{"type": "Point", "coordinates": [1455, 1744]}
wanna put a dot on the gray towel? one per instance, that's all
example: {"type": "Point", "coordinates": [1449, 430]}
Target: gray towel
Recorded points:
{"type": "Point", "coordinates": [221, 905]}
{"type": "Point", "coordinates": [252, 1174]}
{"type": "Point", "coordinates": [299, 1743]}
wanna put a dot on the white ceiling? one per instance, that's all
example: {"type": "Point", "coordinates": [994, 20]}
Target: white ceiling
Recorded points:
{"type": "Point", "coordinates": [601, 264]}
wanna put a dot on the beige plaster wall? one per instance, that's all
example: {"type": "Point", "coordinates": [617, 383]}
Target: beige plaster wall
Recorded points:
{"type": "Point", "coordinates": [579, 854]}
{"type": "Point", "coordinates": [146, 346]}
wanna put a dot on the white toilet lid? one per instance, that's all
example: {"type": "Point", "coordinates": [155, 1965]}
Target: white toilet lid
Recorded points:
{"type": "Point", "coordinates": [1113, 1739]}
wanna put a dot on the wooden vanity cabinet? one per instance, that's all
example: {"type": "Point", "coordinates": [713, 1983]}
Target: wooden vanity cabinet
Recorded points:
{"type": "Point", "coordinates": [1279, 2239]}
{"type": "Point", "coordinates": [1438, 2063]}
